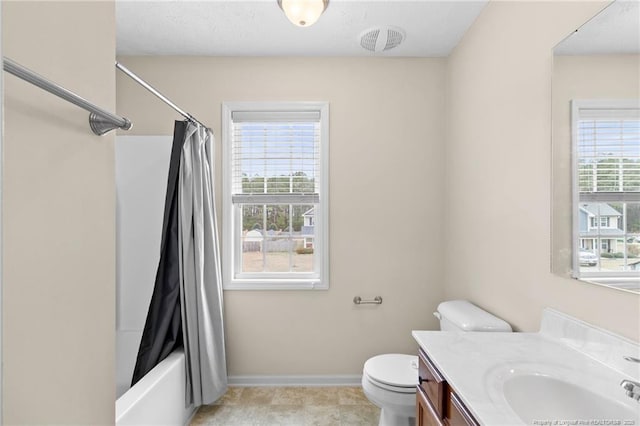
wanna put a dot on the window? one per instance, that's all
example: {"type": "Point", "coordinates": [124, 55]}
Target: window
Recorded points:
{"type": "Point", "coordinates": [604, 222]}
{"type": "Point", "coordinates": [606, 188]}
{"type": "Point", "coordinates": [275, 191]}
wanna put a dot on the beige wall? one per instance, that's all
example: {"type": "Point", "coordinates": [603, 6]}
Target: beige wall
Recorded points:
{"type": "Point", "coordinates": [386, 161]}
{"type": "Point", "coordinates": [498, 168]}
{"type": "Point", "coordinates": [58, 198]}
{"type": "Point", "coordinates": [580, 77]}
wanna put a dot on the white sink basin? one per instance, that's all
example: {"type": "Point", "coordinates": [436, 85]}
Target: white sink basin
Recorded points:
{"type": "Point", "coordinates": [537, 397]}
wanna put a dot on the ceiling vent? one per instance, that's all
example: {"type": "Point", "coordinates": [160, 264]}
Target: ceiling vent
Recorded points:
{"type": "Point", "coordinates": [381, 39]}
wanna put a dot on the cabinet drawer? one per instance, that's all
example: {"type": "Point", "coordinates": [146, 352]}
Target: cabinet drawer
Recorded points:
{"type": "Point", "coordinates": [431, 382]}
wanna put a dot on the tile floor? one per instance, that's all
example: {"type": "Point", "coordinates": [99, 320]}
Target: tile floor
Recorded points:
{"type": "Point", "coordinates": [300, 406]}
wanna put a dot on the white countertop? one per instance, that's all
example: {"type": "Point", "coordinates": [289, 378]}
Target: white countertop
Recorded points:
{"type": "Point", "coordinates": [475, 364]}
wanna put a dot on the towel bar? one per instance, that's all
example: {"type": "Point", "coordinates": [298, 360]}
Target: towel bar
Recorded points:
{"type": "Point", "coordinates": [376, 301]}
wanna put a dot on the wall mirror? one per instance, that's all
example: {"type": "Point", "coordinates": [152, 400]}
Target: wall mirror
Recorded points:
{"type": "Point", "coordinates": [596, 150]}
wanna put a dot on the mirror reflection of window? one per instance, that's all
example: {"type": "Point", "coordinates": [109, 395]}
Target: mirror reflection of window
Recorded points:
{"type": "Point", "coordinates": [596, 150]}
{"type": "Point", "coordinates": [606, 186]}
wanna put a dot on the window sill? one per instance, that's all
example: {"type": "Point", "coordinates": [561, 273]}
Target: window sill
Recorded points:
{"type": "Point", "coordinates": [275, 285]}
{"type": "Point", "coordinates": [631, 284]}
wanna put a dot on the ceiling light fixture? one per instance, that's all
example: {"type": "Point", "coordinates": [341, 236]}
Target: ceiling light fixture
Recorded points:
{"type": "Point", "coordinates": [303, 13]}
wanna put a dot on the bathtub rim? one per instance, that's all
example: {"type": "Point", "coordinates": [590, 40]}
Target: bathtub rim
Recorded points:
{"type": "Point", "coordinates": [137, 392]}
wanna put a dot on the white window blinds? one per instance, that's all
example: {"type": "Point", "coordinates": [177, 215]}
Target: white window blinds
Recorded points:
{"type": "Point", "coordinates": [275, 157]}
{"type": "Point", "coordinates": [608, 152]}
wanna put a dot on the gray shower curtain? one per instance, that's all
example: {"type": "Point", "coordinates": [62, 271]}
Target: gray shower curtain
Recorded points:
{"type": "Point", "coordinates": [186, 305]}
{"type": "Point", "coordinates": [201, 282]}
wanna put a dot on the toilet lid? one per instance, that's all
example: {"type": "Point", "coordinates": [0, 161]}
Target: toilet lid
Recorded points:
{"type": "Point", "coordinates": [393, 369]}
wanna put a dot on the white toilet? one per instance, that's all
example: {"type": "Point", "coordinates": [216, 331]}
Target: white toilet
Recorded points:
{"type": "Point", "coordinates": [389, 380]}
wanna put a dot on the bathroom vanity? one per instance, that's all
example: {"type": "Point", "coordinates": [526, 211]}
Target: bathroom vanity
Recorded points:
{"type": "Point", "coordinates": [569, 372]}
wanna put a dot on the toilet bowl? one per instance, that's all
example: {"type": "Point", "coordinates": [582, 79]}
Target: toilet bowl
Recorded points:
{"type": "Point", "coordinates": [389, 381]}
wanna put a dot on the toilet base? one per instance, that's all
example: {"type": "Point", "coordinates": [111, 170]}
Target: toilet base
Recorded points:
{"type": "Point", "coordinates": [396, 409]}
{"type": "Point", "coordinates": [389, 418]}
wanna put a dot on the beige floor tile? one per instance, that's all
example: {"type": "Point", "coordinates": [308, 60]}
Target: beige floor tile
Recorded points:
{"type": "Point", "coordinates": [257, 396]}
{"type": "Point", "coordinates": [359, 415]}
{"type": "Point", "coordinates": [241, 415]}
{"type": "Point", "coordinates": [323, 415]}
{"type": "Point", "coordinates": [273, 415]}
{"type": "Point", "coordinates": [292, 406]}
{"type": "Point", "coordinates": [288, 396]}
{"type": "Point", "coordinates": [352, 396]}
{"type": "Point", "coordinates": [320, 396]}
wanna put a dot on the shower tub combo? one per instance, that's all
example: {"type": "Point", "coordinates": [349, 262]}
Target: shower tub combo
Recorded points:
{"type": "Point", "coordinates": [142, 164]}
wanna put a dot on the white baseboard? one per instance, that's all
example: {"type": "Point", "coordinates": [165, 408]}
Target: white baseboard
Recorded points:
{"type": "Point", "coordinates": [335, 380]}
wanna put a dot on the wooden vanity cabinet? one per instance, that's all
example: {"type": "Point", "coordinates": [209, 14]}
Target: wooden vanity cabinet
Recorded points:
{"type": "Point", "coordinates": [436, 403]}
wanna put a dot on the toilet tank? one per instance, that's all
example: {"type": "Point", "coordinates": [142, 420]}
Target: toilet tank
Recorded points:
{"type": "Point", "coordinates": [461, 315]}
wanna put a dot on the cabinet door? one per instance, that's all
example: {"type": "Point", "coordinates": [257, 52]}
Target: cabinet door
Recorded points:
{"type": "Point", "coordinates": [431, 382]}
{"type": "Point", "coordinates": [457, 413]}
{"type": "Point", "coordinates": [425, 414]}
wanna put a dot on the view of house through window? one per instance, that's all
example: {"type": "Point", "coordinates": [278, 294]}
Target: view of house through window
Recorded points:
{"type": "Point", "coordinates": [276, 195]}
{"type": "Point", "coordinates": [606, 188]}
{"type": "Point", "coordinates": [607, 244]}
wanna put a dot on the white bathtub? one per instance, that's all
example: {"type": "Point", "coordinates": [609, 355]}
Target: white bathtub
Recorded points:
{"type": "Point", "coordinates": [158, 398]}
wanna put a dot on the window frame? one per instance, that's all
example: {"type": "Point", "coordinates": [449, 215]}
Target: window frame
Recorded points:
{"type": "Point", "coordinates": [604, 197]}
{"type": "Point", "coordinates": [231, 232]}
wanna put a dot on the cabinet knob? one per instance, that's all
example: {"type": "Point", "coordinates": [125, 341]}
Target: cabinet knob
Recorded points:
{"type": "Point", "coordinates": [421, 380]}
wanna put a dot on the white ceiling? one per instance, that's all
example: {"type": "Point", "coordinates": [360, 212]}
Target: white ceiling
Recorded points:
{"type": "Point", "coordinates": [260, 28]}
{"type": "Point", "coordinates": [615, 30]}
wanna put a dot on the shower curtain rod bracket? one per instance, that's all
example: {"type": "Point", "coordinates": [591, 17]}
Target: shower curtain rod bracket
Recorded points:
{"type": "Point", "coordinates": [99, 125]}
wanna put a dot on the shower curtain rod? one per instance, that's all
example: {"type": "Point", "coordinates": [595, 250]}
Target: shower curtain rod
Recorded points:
{"type": "Point", "coordinates": [153, 90]}
{"type": "Point", "coordinates": [100, 120]}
